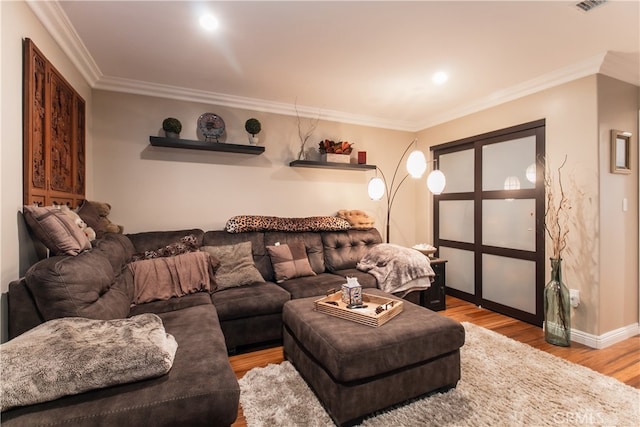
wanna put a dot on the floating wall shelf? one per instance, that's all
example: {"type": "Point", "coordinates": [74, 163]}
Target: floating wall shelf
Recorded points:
{"type": "Point", "coordinates": [158, 141]}
{"type": "Point", "coordinates": [329, 165]}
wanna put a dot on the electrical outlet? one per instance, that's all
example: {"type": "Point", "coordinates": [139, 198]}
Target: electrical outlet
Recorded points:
{"type": "Point", "coordinates": [574, 297]}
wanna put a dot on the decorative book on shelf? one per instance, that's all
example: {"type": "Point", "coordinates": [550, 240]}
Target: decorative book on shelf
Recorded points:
{"type": "Point", "coordinates": [158, 141]}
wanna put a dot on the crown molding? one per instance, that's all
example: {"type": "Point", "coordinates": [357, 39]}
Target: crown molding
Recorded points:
{"type": "Point", "coordinates": [625, 67]}
{"type": "Point", "coordinates": [564, 75]}
{"type": "Point", "coordinates": [56, 22]}
{"type": "Point", "coordinates": [117, 84]}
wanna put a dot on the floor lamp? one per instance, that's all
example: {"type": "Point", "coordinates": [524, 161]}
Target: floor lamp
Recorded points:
{"type": "Point", "coordinates": [416, 167]}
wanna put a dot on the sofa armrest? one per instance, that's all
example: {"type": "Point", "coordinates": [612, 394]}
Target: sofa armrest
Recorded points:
{"type": "Point", "coordinates": [23, 312]}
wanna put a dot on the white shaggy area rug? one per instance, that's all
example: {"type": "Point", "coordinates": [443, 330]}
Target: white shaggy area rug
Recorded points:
{"type": "Point", "coordinates": [504, 383]}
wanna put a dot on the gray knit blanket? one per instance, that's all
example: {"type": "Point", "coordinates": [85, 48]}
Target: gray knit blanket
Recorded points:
{"type": "Point", "coordinates": [397, 269]}
{"type": "Point", "coordinates": [72, 355]}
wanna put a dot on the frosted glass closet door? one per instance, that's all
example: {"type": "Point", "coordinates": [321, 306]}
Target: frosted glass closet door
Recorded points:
{"type": "Point", "coordinates": [457, 219]}
{"type": "Point", "coordinates": [509, 223]}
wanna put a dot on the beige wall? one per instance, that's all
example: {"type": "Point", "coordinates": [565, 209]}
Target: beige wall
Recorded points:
{"type": "Point", "coordinates": [618, 109]}
{"type": "Point", "coordinates": [152, 188]}
{"type": "Point", "coordinates": [577, 116]}
{"type": "Point", "coordinates": [18, 22]}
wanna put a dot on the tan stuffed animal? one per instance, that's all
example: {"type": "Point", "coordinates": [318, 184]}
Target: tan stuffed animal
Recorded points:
{"type": "Point", "coordinates": [88, 231]}
{"type": "Point", "coordinates": [95, 214]}
{"type": "Point", "coordinates": [357, 218]}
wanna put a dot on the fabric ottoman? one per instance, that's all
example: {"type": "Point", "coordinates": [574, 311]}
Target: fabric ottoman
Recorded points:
{"type": "Point", "coordinates": [356, 370]}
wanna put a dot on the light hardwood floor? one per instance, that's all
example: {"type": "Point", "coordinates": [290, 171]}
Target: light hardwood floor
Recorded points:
{"type": "Point", "coordinates": [621, 360]}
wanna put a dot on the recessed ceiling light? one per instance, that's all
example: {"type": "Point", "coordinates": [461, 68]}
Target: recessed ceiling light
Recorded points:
{"type": "Point", "coordinates": [440, 77]}
{"type": "Point", "coordinates": [209, 22]}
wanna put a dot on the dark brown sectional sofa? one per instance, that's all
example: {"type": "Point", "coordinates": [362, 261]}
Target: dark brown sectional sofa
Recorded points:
{"type": "Point", "coordinates": [201, 388]}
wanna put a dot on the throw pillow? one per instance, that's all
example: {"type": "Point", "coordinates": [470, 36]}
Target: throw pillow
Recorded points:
{"type": "Point", "coordinates": [358, 219]}
{"type": "Point", "coordinates": [159, 279]}
{"type": "Point", "coordinates": [289, 261]}
{"type": "Point", "coordinates": [57, 231]}
{"type": "Point", "coordinates": [236, 265]}
{"type": "Point", "coordinates": [186, 244]}
{"type": "Point", "coordinates": [72, 355]}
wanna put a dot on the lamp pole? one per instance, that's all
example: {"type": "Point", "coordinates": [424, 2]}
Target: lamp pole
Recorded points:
{"type": "Point", "coordinates": [416, 166]}
{"type": "Point", "coordinates": [389, 190]}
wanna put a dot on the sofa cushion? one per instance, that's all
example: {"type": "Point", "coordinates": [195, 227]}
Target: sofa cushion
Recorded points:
{"type": "Point", "coordinates": [250, 300]}
{"type": "Point", "coordinates": [365, 280]}
{"type": "Point", "coordinates": [236, 265]}
{"type": "Point", "coordinates": [173, 304]}
{"type": "Point", "coordinates": [343, 250]}
{"type": "Point", "coordinates": [319, 285]}
{"type": "Point", "coordinates": [289, 261]}
{"type": "Point", "coordinates": [82, 286]}
{"type": "Point", "coordinates": [116, 248]}
{"type": "Point", "coordinates": [56, 230]}
{"type": "Point", "coordinates": [72, 355]}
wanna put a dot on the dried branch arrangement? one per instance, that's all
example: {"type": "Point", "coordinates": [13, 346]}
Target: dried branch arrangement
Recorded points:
{"type": "Point", "coordinates": [305, 134]}
{"type": "Point", "coordinates": [556, 215]}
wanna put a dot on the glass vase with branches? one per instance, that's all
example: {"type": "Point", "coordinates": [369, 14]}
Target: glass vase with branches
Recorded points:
{"type": "Point", "coordinates": [557, 315]}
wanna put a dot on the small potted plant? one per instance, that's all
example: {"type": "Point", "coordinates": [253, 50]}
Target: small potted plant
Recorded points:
{"type": "Point", "coordinates": [254, 127]}
{"type": "Point", "coordinates": [172, 127]}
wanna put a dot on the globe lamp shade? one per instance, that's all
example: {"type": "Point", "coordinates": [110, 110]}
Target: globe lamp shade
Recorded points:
{"type": "Point", "coordinates": [416, 164]}
{"type": "Point", "coordinates": [436, 181]}
{"type": "Point", "coordinates": [376, 188]}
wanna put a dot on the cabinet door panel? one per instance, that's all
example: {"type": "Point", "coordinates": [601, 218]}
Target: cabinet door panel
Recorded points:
{"type": "Point", "coordinates": [61, 140]}
{"type": "Point", "coordinates": [34, 120]}
{"type": "Point", "coordinates": [79, 147]}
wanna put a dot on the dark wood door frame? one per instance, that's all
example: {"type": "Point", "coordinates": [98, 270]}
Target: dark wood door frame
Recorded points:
{"type": "Point", "coordinates": [537, 129]}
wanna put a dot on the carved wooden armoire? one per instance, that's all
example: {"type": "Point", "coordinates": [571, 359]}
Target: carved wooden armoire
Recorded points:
{"type": "Point", "coordinates": [54, 134]}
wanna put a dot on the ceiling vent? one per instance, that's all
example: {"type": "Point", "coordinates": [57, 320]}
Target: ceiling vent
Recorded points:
{"type": "Point", "coordinates": [588, 5]}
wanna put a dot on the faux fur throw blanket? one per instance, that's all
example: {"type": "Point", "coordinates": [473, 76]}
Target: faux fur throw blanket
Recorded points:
{"type": "Point", "coordinates": [397, 269]}
{"type": "Point", "coordinates": [73, 355]}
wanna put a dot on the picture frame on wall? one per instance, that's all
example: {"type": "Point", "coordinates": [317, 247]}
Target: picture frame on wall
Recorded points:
{"type": "Point", "coordinates": [620, 152]}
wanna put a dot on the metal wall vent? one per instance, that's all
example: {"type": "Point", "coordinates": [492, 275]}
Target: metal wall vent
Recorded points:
{"type": "Point", "coordinates": [588, 5]}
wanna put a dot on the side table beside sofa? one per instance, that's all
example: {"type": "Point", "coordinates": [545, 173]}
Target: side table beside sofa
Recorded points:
{"type": "Point", "coordinates": [433, 298]}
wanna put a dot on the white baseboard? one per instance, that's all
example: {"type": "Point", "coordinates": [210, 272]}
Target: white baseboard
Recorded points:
{"type": "Point", "coordinates": [606, 339]}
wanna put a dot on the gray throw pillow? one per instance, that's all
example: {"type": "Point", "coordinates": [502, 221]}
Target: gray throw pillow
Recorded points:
{"type": "Point", "coordinates": [289, 261]}
{"type": "Point", "coordinates": [236, 265]}
{"type": "Point", "coordinates": [57, 231]}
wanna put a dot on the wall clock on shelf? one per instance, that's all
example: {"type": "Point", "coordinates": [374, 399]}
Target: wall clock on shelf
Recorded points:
{"type": "Point", "coordinates": [211, 126]}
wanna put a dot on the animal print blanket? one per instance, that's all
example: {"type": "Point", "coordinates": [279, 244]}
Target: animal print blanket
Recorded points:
{"type": "Point", "coordinates": [397, 269]}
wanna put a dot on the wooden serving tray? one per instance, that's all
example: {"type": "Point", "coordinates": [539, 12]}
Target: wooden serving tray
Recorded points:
{"type": "Point", "coordinates": [366, 316]}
